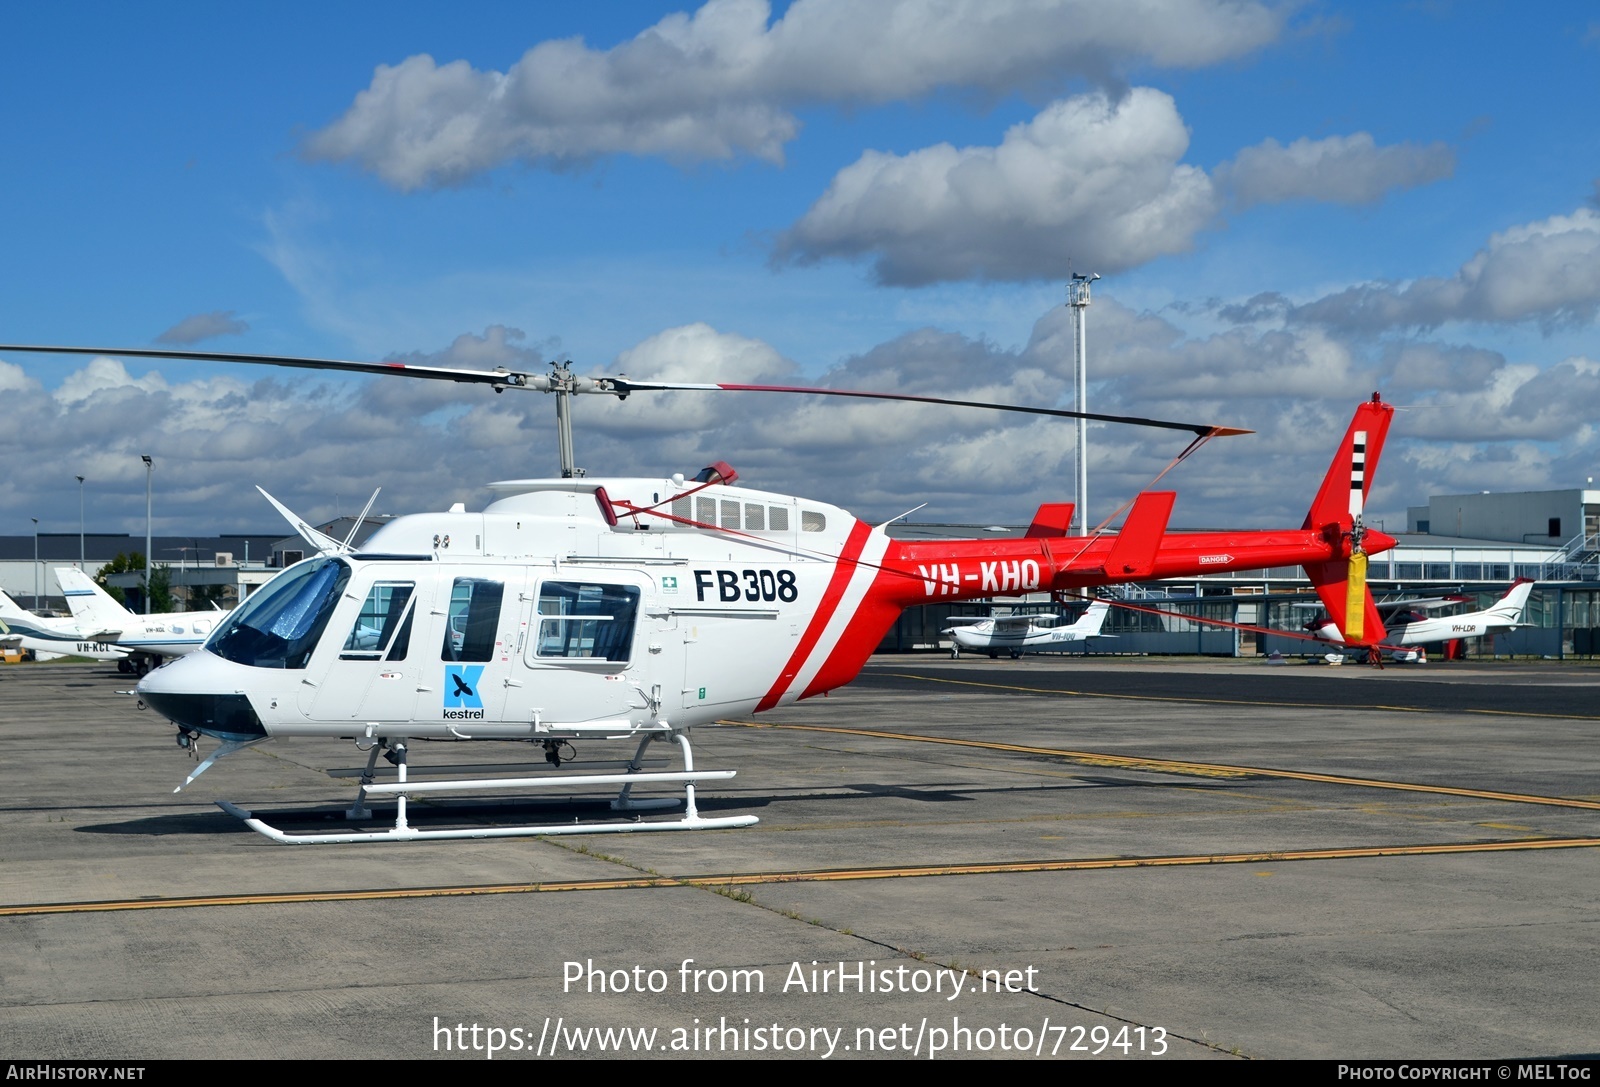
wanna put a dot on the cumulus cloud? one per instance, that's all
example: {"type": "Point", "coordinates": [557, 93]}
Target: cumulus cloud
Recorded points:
{"type": "Point", "coordinates": [1091, 178]}
{"type": "Point", "coordinates": [1439, 366]}
{"type": "Point", "coordinates": [1513, 402]}
{"type": "Point", "coordinates": [724, 81]}
{"type": "Point", "coordinates": [203, 326]}
{"type": "Point", "coordinates": [1547, 271]}
{"type": "Point", "coordinates": [1339, 169]}
{"type": "Point", "coordinates": [1096, 180]}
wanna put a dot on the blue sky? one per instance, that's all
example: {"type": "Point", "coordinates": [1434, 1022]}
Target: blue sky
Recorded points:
{"type": "Point", "coordinates": [1292, 205]}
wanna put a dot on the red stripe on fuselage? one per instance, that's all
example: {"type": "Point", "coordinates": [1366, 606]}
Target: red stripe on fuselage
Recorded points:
{"type": "Point", "coordinates": [843, 570]}
{"type": "Point", "coordinates": [860, 639]}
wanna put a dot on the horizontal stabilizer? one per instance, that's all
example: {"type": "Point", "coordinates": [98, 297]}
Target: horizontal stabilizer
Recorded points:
{"type": "Point", "coordinates": [1133, 551]}
{"type": "Point", "coordinates": [1053, 519]}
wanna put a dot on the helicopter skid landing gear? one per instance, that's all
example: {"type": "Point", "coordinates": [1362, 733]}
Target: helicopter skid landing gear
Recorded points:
{"type": "Point", "coordinates": [402, 789]}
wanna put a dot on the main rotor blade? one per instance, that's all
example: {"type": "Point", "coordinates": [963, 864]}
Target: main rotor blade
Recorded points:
{"type": "Point", "coordinates": [503, 378]}
{"type": "Point", "coordinates": [616, 386]}
{"type": "Point", "coordinates": [628, 385]}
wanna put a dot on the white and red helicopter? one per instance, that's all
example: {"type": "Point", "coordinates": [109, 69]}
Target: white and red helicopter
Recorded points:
{"type": "Point", "coordinates": [597, 608]}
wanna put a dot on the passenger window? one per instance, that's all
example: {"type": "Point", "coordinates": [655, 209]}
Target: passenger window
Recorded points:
{"type": "Point", "coordinates": [385, 609]}
{"type": "Point", "coordinates": [473, 617]}
{"type": "Point", "coordinates": [593, 622]}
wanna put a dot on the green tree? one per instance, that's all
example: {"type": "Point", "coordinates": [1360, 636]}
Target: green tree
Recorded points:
{"type": "Point", "coordinates": [122, 564]}
{"type": "Point", "coordinates": [202, 597]}
{"type": "Point", "coordinates": [161, 589]}
{"type": "Point", "coordinates": [133, 563]}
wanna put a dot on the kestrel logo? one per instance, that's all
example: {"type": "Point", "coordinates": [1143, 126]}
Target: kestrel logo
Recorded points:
{"type": "Point", "coordinates": [461, 698]}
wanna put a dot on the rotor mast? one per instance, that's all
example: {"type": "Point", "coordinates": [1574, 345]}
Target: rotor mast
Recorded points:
{"type": "Point", "coordinates": [564, 384]}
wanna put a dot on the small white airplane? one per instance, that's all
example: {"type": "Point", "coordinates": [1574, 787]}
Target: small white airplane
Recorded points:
{"type": "Point", "coordinates": [52, 637]}
{"type": "Point", "coordinates": [148, 639]}
{"type": "Point", "coordinates": [1017, 634]}
{"type": "Point", "coordinates": [1409, 625]}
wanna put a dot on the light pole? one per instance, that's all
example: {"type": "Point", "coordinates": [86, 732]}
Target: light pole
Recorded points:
{"type": "Point", "coordinates": [149, 469]}
{"type": "Point", "coordinates": [80, 523]}
{"type": "Point", "coordinates": [183, 587]}
{"type": "Point", "coordinates": [35, 521]}
{"type": "Point", "coordinates": [1078, 299]}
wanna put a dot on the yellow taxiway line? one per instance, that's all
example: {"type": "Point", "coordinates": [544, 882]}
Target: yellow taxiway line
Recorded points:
{"type": "Point", "coordinates": [746, 879]}
{"type": "Point", "coordinates": [819, 875]}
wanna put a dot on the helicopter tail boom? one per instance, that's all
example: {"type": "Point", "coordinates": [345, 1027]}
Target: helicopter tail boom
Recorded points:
{"type": "Point", "coordinates": [868, 592]}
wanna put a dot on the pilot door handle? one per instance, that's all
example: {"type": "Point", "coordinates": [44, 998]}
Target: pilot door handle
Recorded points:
{"type": "Point", "coordinates": [513, 682]}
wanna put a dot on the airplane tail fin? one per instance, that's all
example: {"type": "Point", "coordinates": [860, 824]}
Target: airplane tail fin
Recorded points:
{"type": "Point", "coordinates": [10, 609]}
{"type": "Point", "coordinates": [1090, 622]}
{"type": "Point", "coordinates": [1509, 607]}
{"type": "Point", "coordinates": [91, 605]}
{"type": "Point", "coordinates": [1336, 514]}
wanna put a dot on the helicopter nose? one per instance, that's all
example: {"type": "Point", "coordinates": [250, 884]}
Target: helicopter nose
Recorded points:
{"type": "Point", "coordinates": [189, 692]}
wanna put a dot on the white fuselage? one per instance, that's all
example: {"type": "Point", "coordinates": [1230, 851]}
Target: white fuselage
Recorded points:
{"type": "Point", "coordinates": [169, 635]}
{"type": "Point", "coordinates": [536, 618]}
{"type": "Point", "coordinates": [1008, 635]}
{"type": "Point", "coordinates": [166, 634]}
{"type": "Point", "coordinates": [1506, 614]}
{"type": "Point", "coordinates": [52, 636]}
{"type": "Point", "coordinates": [984, 636]}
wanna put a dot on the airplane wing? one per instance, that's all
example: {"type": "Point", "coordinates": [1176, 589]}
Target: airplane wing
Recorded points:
{"type": "Point", "coordinates": [1433, 603]}
{"type": "Point", "coordinates": [1418, 602]}
{"type": "Point", "coordinates": [1013, 623]}
{"type": "Point", "coordinates": [1384, 607]}
{"type": "Point", "coordinates": [1008, 623]}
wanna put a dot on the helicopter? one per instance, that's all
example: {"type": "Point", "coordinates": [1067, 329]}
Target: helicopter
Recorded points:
{"type": "Point", "coordinates": [632, 609]}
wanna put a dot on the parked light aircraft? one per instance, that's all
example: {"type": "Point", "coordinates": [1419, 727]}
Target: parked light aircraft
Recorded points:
{"type": "Point", "coordinates": [1409, 625]}
{"type": "Point", "coordinates": [62, 637]}
{"type": "Point", "coordinates": [635, 608]}
{"type": "Point", "coordinates": [1016, 634]}
{"type": "Point", "coordinates": [148, 639]}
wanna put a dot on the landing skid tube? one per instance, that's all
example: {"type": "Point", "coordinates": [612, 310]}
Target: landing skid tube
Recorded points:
{"type": "Point", "coordinates": [402, 789]}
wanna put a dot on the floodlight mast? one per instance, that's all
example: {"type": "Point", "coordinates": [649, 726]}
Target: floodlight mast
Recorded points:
{"type": "Point", "coordinates": [149, 469]}
{"type": "Point", "coordinates": [81, 557]}
{"type": "Point", "coordinates": [1078, 300]}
